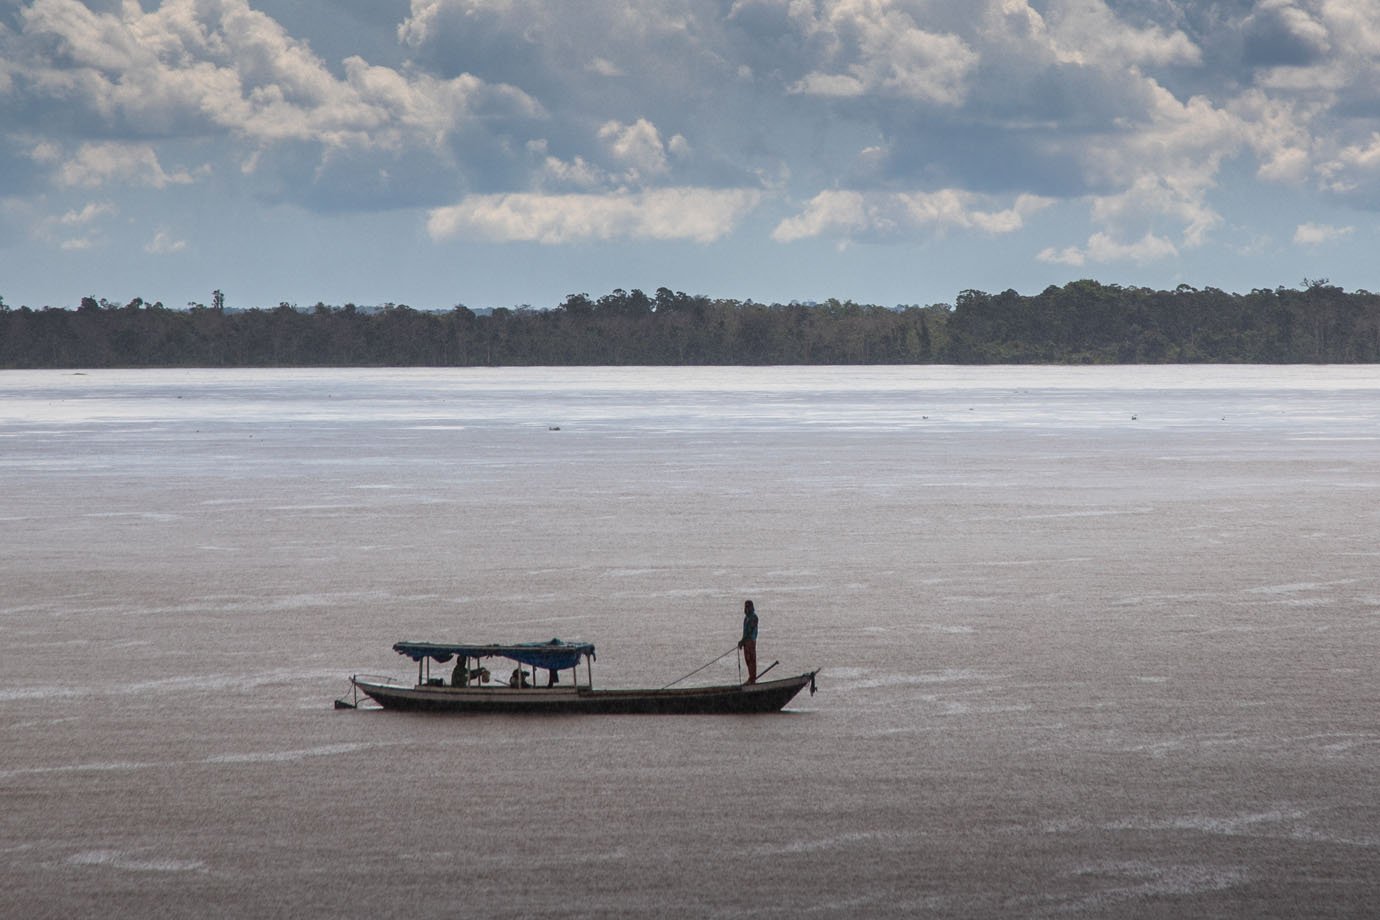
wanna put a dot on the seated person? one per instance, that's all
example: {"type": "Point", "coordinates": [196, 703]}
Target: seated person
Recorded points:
{"type": "Point", "coordinates": [464, 675]}
{"type": "Point", "coordinates": [518, 678]}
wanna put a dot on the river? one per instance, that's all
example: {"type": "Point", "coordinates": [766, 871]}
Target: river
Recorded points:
{"type": "Point", "coordinates": [1094, 642]}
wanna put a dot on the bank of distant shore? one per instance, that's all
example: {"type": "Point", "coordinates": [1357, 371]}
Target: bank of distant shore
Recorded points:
{"type": "Point", "coordinates": [1083, 322]}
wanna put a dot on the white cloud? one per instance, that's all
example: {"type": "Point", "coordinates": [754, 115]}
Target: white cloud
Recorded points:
{"type": "Point", "coordinates": [579, 173]}
{"type": "Point", "coordinates": [95, 165]}
{"type": "Point", "coordinates": [876, 47]}
{"type": "Point", "coordinates": [400, 107]}
{"type": "Point", "coordinates": [1157, 124]}
{"type": "Point", "coordinates": [634, 153]}
{"type": "Point", "coordinates": [882, 215]}
{"type": "Point", "coordinates": [1165, 170]}
{"type": "Point", "coordinates": [209, 66]}
{"type": "Point", "coordinates": [546, 22]}
{"type": "Point", "coordinates": [1102, 248]}
{"type": "Point", "coordinates": [1353, 168]}
{"type": "Point", "coordinates": [605, 68]}
{"type": "Point", "coordinates": [1317, 63]}
{"type": "Point", "coordinates": [638, 147]}
{"type": "Point", "coordinates": [1295, 33]}
{"type": "Point", "coordinates": [164, 244]}
{"type": "Point", "coordinates": [75, 230]}
{"type": "Point", "coordinates": [1311, 234]}
{"type": "Point", "coordinates": [839, 212]}
{"type": "Point", "coordinates": [699, 215]}
{"type": "Point", "coordinates": [1277, 131]}
{"type": "Point", "coordinates": [92, 211]}
{"type": "Point", "coordinates": [1090, 33]}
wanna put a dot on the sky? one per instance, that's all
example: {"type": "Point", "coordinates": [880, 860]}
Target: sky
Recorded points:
{"type": "Point", "coordinates": [511, 152]}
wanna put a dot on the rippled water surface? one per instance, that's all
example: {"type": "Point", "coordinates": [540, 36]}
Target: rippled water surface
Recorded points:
{"type": "Point", "coordinates": [1094, 642]}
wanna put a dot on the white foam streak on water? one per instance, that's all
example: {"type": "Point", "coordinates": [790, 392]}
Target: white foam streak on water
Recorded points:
{"type": "Point", "coordinates": [281, 756]}
{"type": "Point", "coordinates": [1094, 641]}
{"type": "Point", "coordinates": [118, 860]}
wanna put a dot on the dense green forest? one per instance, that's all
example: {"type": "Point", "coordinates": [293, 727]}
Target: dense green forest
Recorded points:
{"type": "Point", "coordinates": [1083, 322]}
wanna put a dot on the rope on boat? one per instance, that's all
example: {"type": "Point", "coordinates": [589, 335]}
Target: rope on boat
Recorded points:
{"type": "Point", "coordinates": [701, 668]}
{"type": "Point", "coordinates": [342, 703]}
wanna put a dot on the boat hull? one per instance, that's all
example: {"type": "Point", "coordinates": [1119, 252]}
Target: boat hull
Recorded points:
{"type": "Point", "coordinates": [765, 696]}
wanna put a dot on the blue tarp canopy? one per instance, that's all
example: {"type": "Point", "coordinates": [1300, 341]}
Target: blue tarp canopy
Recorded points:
{"type": "Point", "coordinates": [554, 655]}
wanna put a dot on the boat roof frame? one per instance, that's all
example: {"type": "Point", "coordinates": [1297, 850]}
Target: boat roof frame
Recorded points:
{"type": "Point", "coordinates": [554, 655]}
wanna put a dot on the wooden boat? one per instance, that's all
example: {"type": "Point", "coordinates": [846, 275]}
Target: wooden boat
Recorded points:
{"type": "Point", "coordinates": [466, 691]}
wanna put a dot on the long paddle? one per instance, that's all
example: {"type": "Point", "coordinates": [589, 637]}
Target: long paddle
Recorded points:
{"type": "Point", "coordinates": [700, 668]}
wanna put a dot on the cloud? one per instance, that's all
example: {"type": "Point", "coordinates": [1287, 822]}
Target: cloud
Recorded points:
{"type": "Point", "coordinates": [1277, 131]}
{"type": "Point", "coordinates": [1283, 33]}
{"type": "Point", "coordinates": [633, 155]}
{"type": "Point", "coordinates": [211, 68]}
{"type": "Point", "coordinates": [1055, 103]}
{"type": "Point", "coordinates": [1316, 234]}
{"type": "Point", "coordinates": [90, 212]}
{"type": "Point", "coordinates": [699, 215]}
{"type": "Point", "coordinates": [605, 68]}
{"type": "Point", "coordinates": [1093, 34]}
{"type": "Point", "coordinates": [1155, 181]}
{"type": "Point", "coordinates": [878, 48]}
{"type": "Point", "coordinates": [525, 97]}
{"type": "Point", "coordinates": [638, 146]}
{"type": "Point", "coordinates": [578, 173]}
{"type": "Point", "coordinates": [855, 215]}
{"type": "Point", "coordinates": [1354, 170]}
{"type": "Point", "coordinates": [95, 165]}
{"type": "Point", "coordinates": [557, 122]}
{"type": "Point", "coordinates": [1102, 248]}
{"type": "Point", "coordinates": [1314, 83]}
{"type": "Point", "coordinates": [78, 229]}
{"type": "Point", "coordinates": [164, 244]}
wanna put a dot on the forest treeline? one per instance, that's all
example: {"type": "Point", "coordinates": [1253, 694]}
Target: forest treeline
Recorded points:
{"type": "Point", "coordinates": [1083, 322]}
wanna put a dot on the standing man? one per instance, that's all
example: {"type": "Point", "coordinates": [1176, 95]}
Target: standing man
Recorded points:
{"type": "Point", "coordinates": [749, 641]}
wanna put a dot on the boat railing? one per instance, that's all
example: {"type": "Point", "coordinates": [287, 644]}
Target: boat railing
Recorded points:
{"type": "Point", "coordinates": [353, 700]}
{"type": "Point", "coordinates": [381, 679]}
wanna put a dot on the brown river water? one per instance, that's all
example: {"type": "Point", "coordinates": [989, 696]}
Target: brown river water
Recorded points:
{"type": "Point", "coordinates": [1094, 642]}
